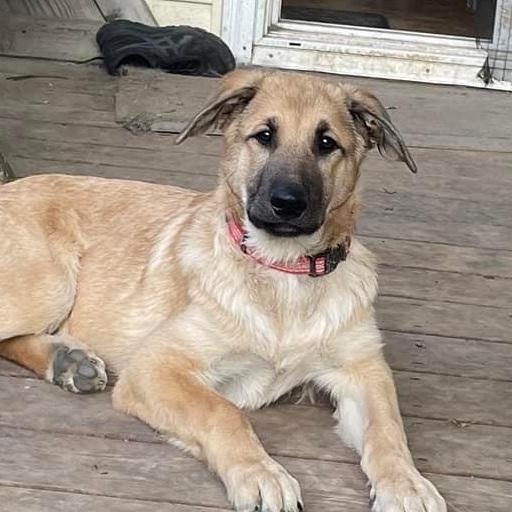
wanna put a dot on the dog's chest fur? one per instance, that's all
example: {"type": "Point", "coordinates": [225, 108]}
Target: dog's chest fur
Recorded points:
{"type": "Point", "coordinates": [279, 330]}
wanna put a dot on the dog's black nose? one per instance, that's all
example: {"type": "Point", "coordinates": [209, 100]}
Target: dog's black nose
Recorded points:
{"type": "Point", "coordinates": [288, 201]}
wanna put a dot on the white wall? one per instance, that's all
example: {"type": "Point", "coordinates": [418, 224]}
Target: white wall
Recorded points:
{"type": "Point", "coordinates": [197, 13]}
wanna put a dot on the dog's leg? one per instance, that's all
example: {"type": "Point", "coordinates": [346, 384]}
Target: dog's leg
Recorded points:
{"type": "Point", "coordinates": [370, 421]}
{"type": "Point", "coordinates": [166, 391]}
{"type": "Point", "coordinates": [58, 359]}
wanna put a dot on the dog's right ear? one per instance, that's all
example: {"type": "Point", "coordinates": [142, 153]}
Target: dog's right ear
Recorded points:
{"type": "Point", "coordinates": [235, 91]}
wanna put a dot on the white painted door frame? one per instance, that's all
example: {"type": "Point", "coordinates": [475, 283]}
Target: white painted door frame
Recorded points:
{"type": "Point", "coordinates": [256, 35]}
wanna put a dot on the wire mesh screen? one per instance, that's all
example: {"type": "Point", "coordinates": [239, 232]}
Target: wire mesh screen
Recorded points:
{"type": "Point", "coordinates": [498, 41]}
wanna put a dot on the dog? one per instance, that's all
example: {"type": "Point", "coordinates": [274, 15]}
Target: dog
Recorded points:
{"type": "Point", "coordinates": [204, 304]}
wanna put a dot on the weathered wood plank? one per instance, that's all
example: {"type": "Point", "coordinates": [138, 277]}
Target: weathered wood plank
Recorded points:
{"type": "Point", "coordinates": [96, 96]}
{"type": "Point", "coordinates": [70, 40]}
{"type": "Point", "coordinates": [445, 286]}
{"type": "Point", "coordinates": [444, 319]}
{"type": "Point", "coordinates": [422, 222]}
{"type": "Point", "coordinates": [29, 166]}
{"type": "Point", "coordinates": [431, 209]}
{"type": "Point", "coordinates": [130, 470]}
{"type": "Point", "coordinates": [292, 430]}
{"type": "Point", "coordinates": [168, 159]}
{"type": "Point", "coordinates": [48, 87]}
{"type": "Point", "coordinates": [459, 490]}
{"type": "Point", "coordinates": [462, 179]}
{"type": "Point", "coordinates": [406, 204]}
{"type": "Point", "coordinates": [452, 233]}
{"type": "Point", "coordinates": [16, 499]}
{"type": "Point", "coordinates": [134, 10]}
{"type": "Point", "coordinates": [71, 108]}
{"type": "Point", "coordinates": [442, 173]}
{"type": "Point", "coordinates": [446, 397]}
{"type": "Point", "coordinates": [446, 120]}
{"type": "Point", "coordinates": [112, 136]}
{"type": "Point", "coordinates": [435, 444]}
{"type": "Point", "coordinates": [105, 467]}
{"type": "Point", "coordinates": [94, 71]}
{"type": "Point", "coordinates": [140, 90]}
{"type": "Point", "coordinates": [67, 9]}
{"type": "Point", "coordinates": [449, 356]}
{"type": "Point", "coordinates": [8, 369]}
{"type": "Point", "coordinates": [440, 257]}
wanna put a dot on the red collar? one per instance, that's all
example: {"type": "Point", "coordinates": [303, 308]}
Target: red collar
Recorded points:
{"type": "Point", "coordinates": [317, 265]}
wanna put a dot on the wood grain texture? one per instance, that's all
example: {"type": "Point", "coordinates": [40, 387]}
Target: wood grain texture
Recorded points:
{"type": "Point", "coordinates": [445, 286]}
{"type": "Point", "coordinates": [461, 179]}
{"type": "Point", "coordinates": [69, 71]}
{"type": "Point", "coordinates": [302, 430]}
{"type": "Point", "coordinates": [28, 166]}
{"type": "Point", "coordinates": [403, 207]}
{"type": "Point", "coordinates": [446, 397]}
{"type": "Point", "coordinates": [483, 262]}
{"type": "Point", "coordinates": [389, 225]}
{"type": "Point", "coordinates": [179, 99]}
{"type": "Point", "coordinates": [459, 491]}
{"type": "Point", "coordinates": [427, 115]}
{"type": "Point", "coordinates": [408, 203]}
{"type": "Point", "coordinates": [443, 174]}
{"type": "Point", "coordinates": [67, 40]}
{"type": "Point", "coordinates": [134, 10]}
{"type": "Point", "coordinates": [129, 470]}
{"type": "Point", "coordinates": [423, 221]}
{"type": "Point", "coordinates": [8, 369]}
{"type": "Point", "coordinates": [65, 9]}
{"type": "Point", "coordinates": [449, 356]}
{"type": "Point", "coordinates": [16, 499]}
{"type": "Point", "coordinates": [48, 87]}
{"type": "Point", "coordinates": [444, 319]}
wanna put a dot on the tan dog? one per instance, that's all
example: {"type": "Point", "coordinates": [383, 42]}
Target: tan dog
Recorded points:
{"type": "Point", "coordinates": [206, 303]}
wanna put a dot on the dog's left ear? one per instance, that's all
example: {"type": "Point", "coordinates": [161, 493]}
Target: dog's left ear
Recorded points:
{"type": "Point", "coordinates": [373, 123]}
{"type": "Point", "coordinates": [233, 94]}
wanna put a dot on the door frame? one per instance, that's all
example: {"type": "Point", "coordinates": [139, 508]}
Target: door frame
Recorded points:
{"type": "Point", "coordinates": [257, 36]}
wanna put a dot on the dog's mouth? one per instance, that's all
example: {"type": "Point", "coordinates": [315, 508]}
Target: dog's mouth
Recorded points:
{"type": "Point", "coordinates": [283, 229]}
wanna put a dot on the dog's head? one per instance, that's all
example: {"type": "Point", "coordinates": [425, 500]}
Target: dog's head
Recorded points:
{"type": "Point", "coordinates": [293, 147]}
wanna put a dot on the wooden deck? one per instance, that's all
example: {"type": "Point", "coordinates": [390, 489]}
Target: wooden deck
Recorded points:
{"type": "Point", "coordinates": [444, 238]}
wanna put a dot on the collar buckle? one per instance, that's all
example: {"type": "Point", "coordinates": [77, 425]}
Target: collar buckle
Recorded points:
{"type": "Point", "coordinates": [331, 258]}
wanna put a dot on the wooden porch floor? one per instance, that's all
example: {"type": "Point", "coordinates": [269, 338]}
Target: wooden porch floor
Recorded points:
{"type": "Point", "coordinates": [444, 239]}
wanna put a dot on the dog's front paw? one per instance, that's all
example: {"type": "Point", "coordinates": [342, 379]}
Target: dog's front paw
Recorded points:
{"type": "Point", "coordinates": [77, 370]}
{"type": "Point", "coordinates": [408, 492]}
{"type": "Point", "coordinates": [263, 486]}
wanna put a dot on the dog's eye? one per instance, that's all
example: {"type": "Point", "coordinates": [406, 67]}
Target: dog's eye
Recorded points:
{"type": "Point", "coordinates": [265, 137]}
{"type": "Point", "coordinates": [326, 145]}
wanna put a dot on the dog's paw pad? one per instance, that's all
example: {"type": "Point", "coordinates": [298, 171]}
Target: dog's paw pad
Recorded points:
{"type": "Point", "coordinates": [78, 371]}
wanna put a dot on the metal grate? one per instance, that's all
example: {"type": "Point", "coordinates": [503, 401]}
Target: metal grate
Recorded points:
{"type": "Point", "coordinates": [498, 42]}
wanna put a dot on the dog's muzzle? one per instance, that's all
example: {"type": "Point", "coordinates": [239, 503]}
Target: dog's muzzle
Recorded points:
{"type": "Point", "coordinates": [286, 208]}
